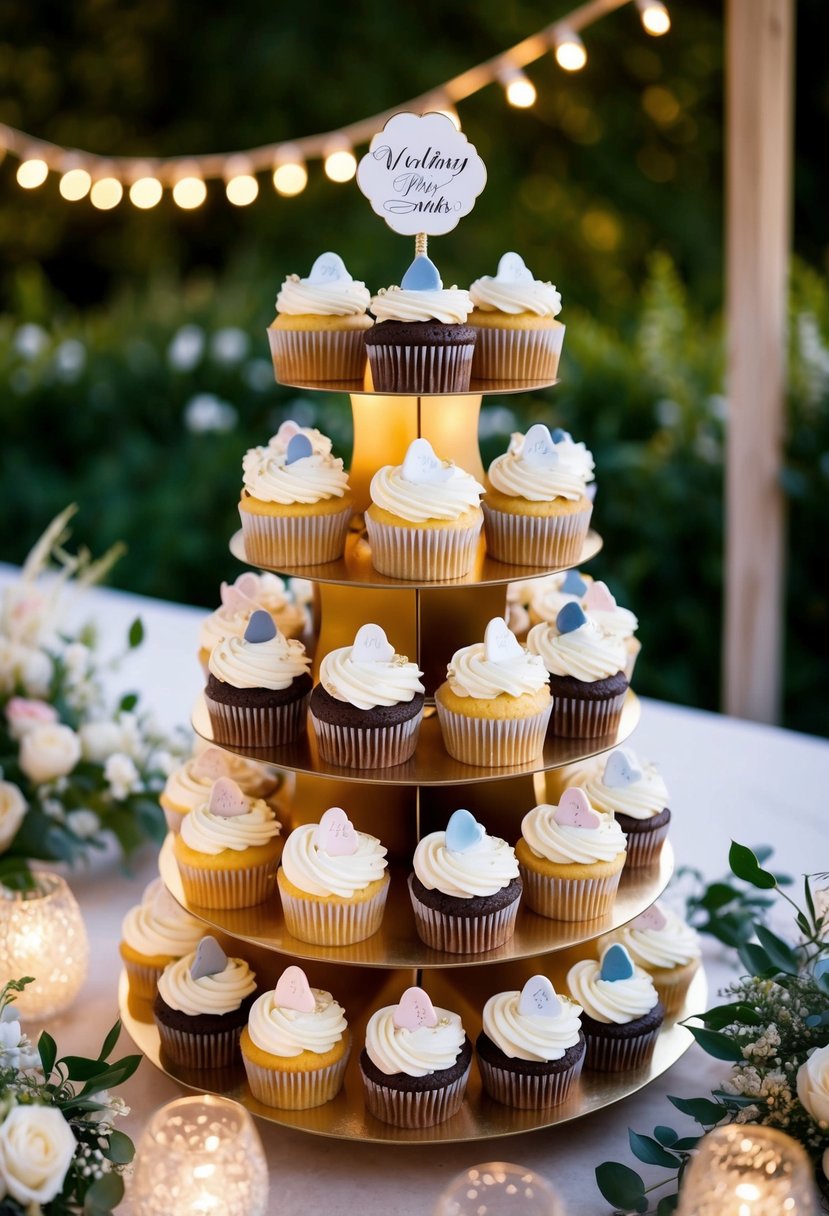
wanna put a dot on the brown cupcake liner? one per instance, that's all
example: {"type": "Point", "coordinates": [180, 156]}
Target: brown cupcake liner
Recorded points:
{"type": "Point", "coordinates": [490, 742]}
{"type": "Point", "coordinates": [309, 355]}
{"type": "Point", "coordinates": [569, 899]}
{"type": "Point", "coordinates": [352, 747]}
{"type": "Point", "coordinates": [463, 934]}
{"type": "Point", "coordinates": [618, 1055]}
{"type": "Point", "coordinates": [643, 848]}
{"type": "Point", "coordinates": [535, 540]}
{"type": "Point", "coordinates": [143, 979]}
{"type": "Point", "coordinates": [517, 354]}
{"type": "Point", "coordinates": [294, 540]}
{"type": "Point", "coordinates": [528, 1092]}
{"type": "Point", "coordinates": [239, 888]}
{"type": "Point", "coordinates": [295, 1090]}
{"type": "Point", "coordinates": [420, 369]}
{"type": "Point", "coordinates": [339, 923]}
{"type": "Point", "coordinates": [414, 1108]}
{"type": "Point", "coordinates": [422, 553]}
{"type": "Point", "coordinates": [192, 1050]}
{"type": "Point", "coordinates": [248, 726]}
{"type": "Point", "coordinates": [574, 718]}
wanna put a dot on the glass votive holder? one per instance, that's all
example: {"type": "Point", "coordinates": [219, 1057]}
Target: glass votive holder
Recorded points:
{"type": "Point", "coordinates": [499, 1188]}
{"type": "Point", "coordinates": [42, 934]}
{"type": "Point", "coordinates": [748, 1170]}
{"type": "Point", "coordinates": [199, 1156]}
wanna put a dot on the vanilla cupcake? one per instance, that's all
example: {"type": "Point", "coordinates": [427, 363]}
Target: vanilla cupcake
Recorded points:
{"type": "Point", "coordinates": [661, 943]}
{"type": "Point", "coordinates": [635, 794]}
{"type": "Point", "coordinates": [189, 785]}
{"type": "Point", "coordinates": [536, 507]}
{"type": "Point", "coordinates": [240, 600]}
{"type": "Point", "coordinates": [296, 1044]}
{"type": "Point", "coordinates": [425, 517]}
{"type": "Point", "coordinates": [277, 446]}
{"type": "Point", "coordinates": [153, 934]}
{"type": "Point", "coordinates": [465, 888]}
{"type": "Point", "coordinates": [570, 858]}
{"type": "Point", "coordinates": [333, 882]}
{"type": "Point", "coordinates": [514, 315]}
{"type": "Point", "coordinates": [368, 705]}
{"type": "Point", "coordinates": [621, 1010]}
{"type": "Point", "coordinates": [495, 703]}
{"type": "Point", "coordinates": [547, 596]}
{"type": "Point", "coordinates": [587, 673]}
{"type": "Point", "coordinates": [320, 326]}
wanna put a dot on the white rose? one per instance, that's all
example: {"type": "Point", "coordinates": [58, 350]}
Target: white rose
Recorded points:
{"type": "Point", "coordinates": [36, 1150]}
{"type": "Point", "coordinates": [99, 740]}
{"type": "Point", "coordinates": [48, 752]}
{"type": "Point", "coordinates": [36, 673]}
{"type": "Point", "coordinates": [22, 714]}
{"type": "Point", "coordinates": [83, 823]}
{"type": "Point", "coordinates": [813, 1085]}
{"type": "Point", "coordinates": [10, 656]}
{"type": "Point", "coordinates": [13, 807]}
{"type": "Point", "coordinates": [122, 775]}
{"type": "Point", "coordinates": [76, 660]}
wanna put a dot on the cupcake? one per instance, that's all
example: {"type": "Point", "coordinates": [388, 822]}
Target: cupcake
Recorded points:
{"type": "Point", "coordinates": [495, 703]}
{"type": "Point", "coordinates": [228, 849]}
{"type": "Point", "coordinates": [258, 687]}
{"type": "Point", "coordinates": [531, 1048]}
{"type": "Point", "coordinates": [570, 858]}
{"type": "Point", "coordinates": [295, 508]}
{"type": "Point", "coordinates": [189, 785]}
{"type": "Point", "coordinates": [320, 325]}
{"type": "Point", "coordinates": [661, 943]}
{"type": "Point", "coordinates": [201, 1006]}
{"type": "Point", "coordinates": [587, 674]}
{"type": "Point", "coordinates": [368, 705]}
{"type": "Point", "coordinates": [333, 882]}
{"type": "Point", "coordinates": [551, 594]}
{"type": "Point", "coordinates": [277, 445]}
{"type": "Point", "coordinates": [635, 794]}
{"type": "Point", "coordinates": [536, 509]}
{"type": "Point", "coordinates": [153, 934]}
{"type": "Point", "coordinates": [240, 600]}
{"type": "Point", "coordinates": [547, 596]}
{"type": "Point", "coordinates": [514, 315]}
{"type": "Point", "coordinates": [415, 1063]}
{"type": "Point", "coordinates": [420, 343]}
{"type": "Point", "coordinates": [296, 1044]}
{"type": "Point", "coordinates": [425, 517]}
{"type": "Point", "coordinates": [621, 1014]}
{"type": "Point", "coordinates": [465, 888]}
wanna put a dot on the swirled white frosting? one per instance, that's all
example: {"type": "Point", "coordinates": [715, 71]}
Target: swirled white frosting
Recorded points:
{"type": "Point", "coordinates": [277, 449]}
{"type": "Point", "coordinates": [418, 1052]}
{"type": "Point", "coordinates": [187, 788]}
{"type": "Point", "coordinates": [566, 844]}
{"type": "Point", "coordinates": [511, 475]}
{"type": "Point", "coordinates": [308, 480]}
{"type": "Point", "coordinates": [546, 598]}
{"type": "Point", "coordinates": [616, 1001]}
{"type": "Point", "coordinates": [336, 297]}
{"type": "Point", "coordinates": [501, 293]}
{"type": "Point", "coordinates": [289, 1032]}
{"type": "Point", "coordinates": [365, 685]}
{"type": "Point", "coordinates": [471, 674]}
{"type": "Point", "coordinates": [316, 872]}
{"type": "Point", "coordinates": [486, 867]}
{"type": "Point", "coordinates": [158, 927]}
{"type": "Point", "coordinates": [204, 832]}
{"type": "Point", "coordinates": [586, 653]}
{"type": "Point", "coordinates": [421, 502]}
{"type": "Point", "coordinates": [215, 994]}
{"type": "Point", "coordinates": [641, 800]}
{"type": "Point", "coordinates": [673, 946]}
{"type": "Point", "coordinates": [273, 664]}
{"type": "Point", "coordinates": [528, 1036]}
{"type": "Point", "coordinates": [451, 305]}
{"type": "Point", "coordinates": [272, 596]}
{"type": "Point", "coordinates": [619, 622]}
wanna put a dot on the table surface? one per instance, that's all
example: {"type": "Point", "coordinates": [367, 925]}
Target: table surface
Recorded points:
{"type": "Point", "coordinates": [728, 779]}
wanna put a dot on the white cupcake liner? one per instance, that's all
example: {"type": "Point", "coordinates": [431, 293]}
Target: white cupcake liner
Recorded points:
{"type": "Point", "coordinates": [338, 923]}
{"type": "Point", "coordinates": [633, 646]}
{"type": "Point", "coordinates": [294, 540]}
{"type": "Point", "coordinates": [569, 899]}
{"type": "Point", "coordinates": [618, 1055]}
{"type": "Point", "coordinates": [536, 540]}
{"type": "Point", "coordinates": [239, 888]}
{"type": "Point", "coordinates": [672, 993]}
{"type": "Point", "coordinates": [493, 742]}
{"type": "Point", "coordinates": [643, 848]}
{"type": "Point", "coordinates": [249, 726]}
{"type": "Point", "coordinates": [309, 355]}
{"type": "Point", "coordinates": [352, 747]}
{"type": "Point", "coordinates": [463, 934]}
{"type": "Point", "coordinates": [422, 553]}
{"type": "Point", "coordinates": [517, 354]}
{"type": "Point", "coordinates": [414, 1108]}
{"type": "Point", "coordinates": [420, 369]}
{"type": "Point", "coordinates": [173, 820]}
{"type": "Point", "coordinates": [528, 1092]}
{"type": "Point", "coordinates": [143, 979]}
{"type": "Point", "coordinates": [295, 1090]}
{"type": "Point", "coordinates": [191, 1050]}
{"type": "Point", "coordinates": [574, 718]}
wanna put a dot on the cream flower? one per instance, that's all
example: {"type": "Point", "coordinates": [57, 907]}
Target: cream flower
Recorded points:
{"type": "Point", "coordinates": [13, 807]}
{"type": "Point", "coordinates": [22, 714]}
{"type": "Point", "coordinates": [36, 1150]}
{"type": "Point", "coordinates": [36, 672]}
{"type": "Point", "coordinates": [49, 751]}
{"type": "Point", "coordinates": [99, 740]}
{"type": "Point", "coordinates": [122, 776]}
{"type": "Point", "coordinates": [813, 1085]}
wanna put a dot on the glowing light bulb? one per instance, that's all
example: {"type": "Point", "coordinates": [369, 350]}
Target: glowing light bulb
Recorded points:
{"type": "Point", "coordinates": [32, 173]}
{"type": "Point", "coordinates": [519, 89]}
{"type": "Point", "coordinates": [570, 51]}
{"type": "Point", "coordinates": [242, 189]}
{"type": "Point", "coordinates": [106, 193]}
{"type": "Point", "coordinates": [340, 162]}
{"type": "Point", "coordinates": [290, 178]}
{"type": "Point", "coordinates": [146, 192]}
{"type": "Point", "coordinates": [74, 185]}
{"type": "Point", "coordinates": [449, 112]}
{"type": "Point", "coordinates": [189, 192]}
{"type": "Point", "coordinates": [655, 17]}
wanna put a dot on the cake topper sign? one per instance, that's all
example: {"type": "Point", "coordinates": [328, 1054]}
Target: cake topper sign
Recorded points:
{"type": "Point", "coordinates": [421, 174]}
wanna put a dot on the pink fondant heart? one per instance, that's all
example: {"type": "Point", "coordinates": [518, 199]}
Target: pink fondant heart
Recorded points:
{"type": "Point", "coordinates": [538, 998]}
{"type": "Point", "coordinates": [248, 584]}
{"type": "Point", "coordinates": [227, 800]}
{"type": "Point", "coordinates": [163, 904]}
{"type": "Point", "coordinates": [599, 599]}
{"type": "Point", "coordinates": [235, 600]}
{"type": "Point", "coordinates": [574, 810]}
{"type": "Point", "coordinates": [293, 991]}
{"type": "Point", "coordinates": [211, 765]}
{"type": "Point", "coordinates": [415, 1010]}
{"type": "Point", "coordinates": [335, 834]}
{"type": "Point", "coordinates": [653, 918]}
{"type": "Point", "coordinates": [286, 432]}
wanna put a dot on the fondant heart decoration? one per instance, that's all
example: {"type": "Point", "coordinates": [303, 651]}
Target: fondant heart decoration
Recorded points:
{"type": "Point", "coordinates": [234, 600]}
{"type": "Point", "coordinates": [247, 584]}
{"type": "Point", "coordinates": [538, 450]}
{"type": "Point", "coordinates": [164, 906]}
{"type": "Point", "coordinates": [285, 434]}
{"type": "Point", "coordinates": [371, 646]}
{"type": "Point", "coordinates": [422, 467]}
{"type": "Point", "coordinates": [599, 598]}
{"type": "Point", "coordinates": [500, 643]}
{"type": "Point", "coordinates": [335, 834]}
{"type": "Point", "coordinates": [538, 998]}
{"type": "Point", "coordinates": [422, 275]}
{"type": "Point", "coordinates": [574, 810]}
{"type": "Point", "coordinates": [820, 968]}
{"type": "Point", "coordinates": [463, 832]}
{"type": "Point", "coordinates": [211, 764]}
{"type": "Point", "coordinates": [294, 992]}
{"type": "Point", "coordinates": [559, 435]}
{"type": "Point", "coordinates": [616, 964]}
{"type": "Point", "coordinates": [512, 269]}
{"type": "Point", "coordinates": [298, 448]}
{"type": "Point", "coordinates": [653, 918]}
{"type": "Point", "coordinates": [227, 800]}
{"type": "Point", "coordinates": [329, 268]}
{"type": "Point", "coordinates": [621, 770]}
{"type": "Point", "coordinates": [210, 959]}
{"type": "Point", "coordinates": [261, 627]}
{"type": "Point", "coordinates": [414, 1010]}
{"type": "Point", "coordinates": [573, 584]}
{"type": "Point", "coordinates": [570, 618]}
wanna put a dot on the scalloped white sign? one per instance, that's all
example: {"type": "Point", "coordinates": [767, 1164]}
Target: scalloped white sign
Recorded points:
{"type": "Point", "coordinates": [421, 174]}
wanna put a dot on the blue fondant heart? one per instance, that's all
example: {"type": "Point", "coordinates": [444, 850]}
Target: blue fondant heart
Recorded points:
{"type": "Point", "coordinates": [422, 275]}
{"type": "Point", "coordinates": [261, 627]}
{"type": "Point", "coordinates": [573, 584]}
{"type": "Point", "coordinates": [463, 832]}
{"type": "Point", "coordinates": [570, 618]}
{"type": "Point", "coordinates": [821, 968]}
{"type": "Point", "coordinates": [298, 448]}
{"type": "Point", "coordinates": [616, 964]}
{"type": "Point", "coordinates": [621, 770]}
{"type": "Point", "coordinates": [559, 435]}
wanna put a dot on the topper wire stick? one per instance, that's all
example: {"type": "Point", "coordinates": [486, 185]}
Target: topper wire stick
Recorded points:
{"type": "Point", "coordinates": [421, 243]}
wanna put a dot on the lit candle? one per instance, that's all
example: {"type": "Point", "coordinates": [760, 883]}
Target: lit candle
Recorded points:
{"type": "Point", "coordinates": [748, 1170]}
{"type": "Point", "coordinates": [42, 934]}
{"type": "Point", "coordinates": [499, 1188]}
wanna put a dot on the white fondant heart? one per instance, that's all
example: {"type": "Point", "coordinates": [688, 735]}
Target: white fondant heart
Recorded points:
{"type": "Point", "coordinates": [211, 764]}
{"type": "Point", "coordinates": [512, 269]}
{"type": "Point", "coordinates": [422, 467]}
{"type": "Point", "coordinates": [538, 998]}
{"type": "Point", "coordinates": [500, 644]}
{"type": "Point", "coordinates": [574, 810]}
{"type": "Point", "coordinates": [294, 992]}
{"type": "Point", "coordinates": [210, 959]}
{"type": "Point", "coordinates": [227, 800]}
{"type": "Point", "coordinates": [371, 646]}
{"type": "Point", "coordinates": [538, 450]}
{"type": "Point", "coordinates": [335, 834]}
{"type": "Point", "coordinates": [622, 769]}
{"type": "Point", "coordinates": [599, 598]}
{"type": "Point", "coordinates": [652, 918]}
{"type": "Point", "coordinates": [328, 268]}
{"type": "Point", "coordinates": [414, 1010]}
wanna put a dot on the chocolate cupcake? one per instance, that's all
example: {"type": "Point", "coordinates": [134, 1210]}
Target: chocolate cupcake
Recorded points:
{"type": "Point", "coordinates": [635, 794]}
{"type": "Point", "coordinates": [622, 1012]}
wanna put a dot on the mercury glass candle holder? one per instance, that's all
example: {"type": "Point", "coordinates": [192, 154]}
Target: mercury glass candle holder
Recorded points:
{"type": "Point", "coordinates": [200, 1156]}
{"type": "Point", "coordinates": [42, 934]}
{"type": "Point", "coordinates": [748, 1170]}
{"type": "Point", "coordinates": [499, 1188]}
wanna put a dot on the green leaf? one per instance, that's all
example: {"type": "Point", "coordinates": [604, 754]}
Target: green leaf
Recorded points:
{"type": "Point", "coordinates": [136, 633]}
{"type": "Point", "coordinates": [110, 1041]}
{"type": "Point", "coordinates": [667, 1204]}
{"type": "Point", "coordinates": [717, 1044]}
{"type": "Point", "coordinates": [780, 953]}
{"type": "Point", "coordinates": [745, 865]}
{"type": "Point", "coordinates": [803, 924]}
{"type": "Point", "coordinates": [121, 1149]}
{"type": "Point", "coordinates": [727, 1015]}
{"type": "Point", "coordinates": [620, 1185]}
{"type": "Point", "coordinates": [665, 1135]}
{"type": "Point", "coordinates": [687, 1144]}
{"type": "Point", "coordinates": [104, 1195]}
{"type": "Point", "coordinates": [128, 702]}
{"type": "Point", "coordinates": [756, 961]}
{"type": "Point", "coordinates": [717, 895]}
{"type": "Point", "coordinates": [79, 1068]}
{"type": "Point", "coordinates": [112, 1076]}
{"type": "Point", "coordinates": [47, 1050]}
{"type": "Point", "coordinates": [650, 1151]}
{"type": "Point", "coordinates": [701, 1109]}
{"type": "Point", "coordinates": [807, 891]}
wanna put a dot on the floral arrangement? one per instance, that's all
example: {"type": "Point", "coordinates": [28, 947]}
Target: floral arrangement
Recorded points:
{"type": "Point", "coordinates": [72, 770]}
{"type": "Point", "coordinates": [773, 1031]}
{"type": "Point", "coordinates": [59, 1151]}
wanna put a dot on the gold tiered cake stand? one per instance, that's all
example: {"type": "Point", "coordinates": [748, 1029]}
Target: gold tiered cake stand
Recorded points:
{"type": "Point", "coordinates": [428, 622]}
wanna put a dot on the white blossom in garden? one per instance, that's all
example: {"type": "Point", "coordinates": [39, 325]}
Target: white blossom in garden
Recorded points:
{"type": "Point", "coordinates": [36, 1149]}
{"type": "Point", "coordinates": [99, 740]}
{"type": "Point", "coordinates": [206, 412]}
{"type": "Point", "coordinates": [70, 359]}
{"type": "Point", "coordinates": [186, 349]}
{"type": "Point", "coordinates": [36, 670]}
{"type": "Point", "coordinates": [31, 340]}
{"type": "Point", "coordinates": [229, 345]}
{"type": "Point", "coordinates": [83, 823]}
{"type": "Point", "coordinates": [122, 776]}
{"type": "Point", "coordinates": [13, 807]}
{"type": "Point", "coordinates": [48, 752]}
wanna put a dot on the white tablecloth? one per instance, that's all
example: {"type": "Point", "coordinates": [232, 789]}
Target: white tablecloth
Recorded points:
{"type": "Point", "coordinates": [728, 780]}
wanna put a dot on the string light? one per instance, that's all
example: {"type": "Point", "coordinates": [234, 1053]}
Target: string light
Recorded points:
{"type": "Point", "coordinates": [32, 173]}
{"type": "Point", "coordinates": [146, 192]}
{"type": "Point", "coordinates": [340, 162]}
{"type": "Point", "coordinates": [570, 51]}
{"type": "Point", "coordinates": [106, 193]}
{"type": "Point", "coordinates": [241, 187]}
{"type": "Point", "coordinates": [74, 185]}
{"type": "Point", "coordinates": [289, 174]}
{"type": "Point", "coordinates": [189, 191]}
{"type": "Point", "coordinates": [519, 89]}
{"type": "Point", "coordinates": [655, 17]}
{"type": "Point", "coordinates": [449, 112]}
